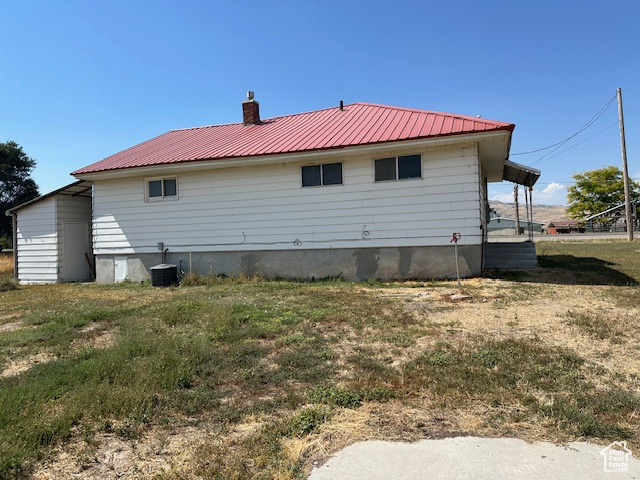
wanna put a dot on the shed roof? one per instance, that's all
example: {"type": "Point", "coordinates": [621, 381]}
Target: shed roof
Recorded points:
{"type": "Point", "coordinates": [563, 223]}
{"type": "Point", "coordinates": [357, 124]}
{"type": "Point", "coordinates": [81, 188]}
{"type": "Point", "coordinates": [520, 174]}
{"type": "Point", "coordinates": [533, 222]}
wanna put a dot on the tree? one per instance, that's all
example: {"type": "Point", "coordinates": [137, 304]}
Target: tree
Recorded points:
{"type": "Point", "coordinates": [16, 184]}
{"type": "Point", "coordinates": [598, 190]}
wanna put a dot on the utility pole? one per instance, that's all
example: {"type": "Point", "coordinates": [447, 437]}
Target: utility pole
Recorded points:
{"type": "Point", "coordinates": [625, 171]}
{"type": "Point", "coordinates": [515, 202]}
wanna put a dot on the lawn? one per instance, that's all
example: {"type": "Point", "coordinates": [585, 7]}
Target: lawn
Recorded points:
{"type": "Point", "coordinates": [245, 378]}
{"type": "Point", "coordinates": [6, 272]}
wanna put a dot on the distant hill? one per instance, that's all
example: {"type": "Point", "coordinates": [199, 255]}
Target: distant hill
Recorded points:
{"type": "Point", "coordinates": [541, 213]}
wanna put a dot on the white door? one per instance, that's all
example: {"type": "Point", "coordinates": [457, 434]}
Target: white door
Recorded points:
{"type": "Point", "coordinates": [120, 269]}
{"type": "Point", "coordinates": [76, 243]}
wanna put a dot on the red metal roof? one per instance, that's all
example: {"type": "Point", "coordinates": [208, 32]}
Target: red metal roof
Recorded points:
{"type": "Point", "coordinates": [358, 124]}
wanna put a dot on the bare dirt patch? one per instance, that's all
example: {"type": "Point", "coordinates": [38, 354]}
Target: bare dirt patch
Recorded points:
{"type": "Point", "coordinates": [160, 451]}
{"type": "Point", "coordinates": [94, 335]}
{"type": "Point", "coordinates": [17, 367]}
{"type": "Point", "coordinates": [11, 327]}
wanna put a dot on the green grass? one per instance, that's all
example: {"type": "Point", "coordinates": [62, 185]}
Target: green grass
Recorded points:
{"type": "Point", "coordinates": [229, 349]}
{"type": "Point", "coordinates": [293, 354]}
{"type": "Point", "coordinates": [601, 262]}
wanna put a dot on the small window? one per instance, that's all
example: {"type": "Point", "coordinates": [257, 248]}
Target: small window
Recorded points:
{"type": "Point", "coordinates": [410, 166]}
{"type": "Point", "coordinates": [325, 174]}
{"type": "Point", "coordinates": [155, 188]}
{"type": "Point", "coordinates": [159, 188]}
{"type": "Point", "coordinates": [398, 168]}
{"type": "Point", "coordinates": [170, 187]}
{"type": "Point", "coordinates": [311, 176]}
{"type": "Point", "coordinates": [386, 169]}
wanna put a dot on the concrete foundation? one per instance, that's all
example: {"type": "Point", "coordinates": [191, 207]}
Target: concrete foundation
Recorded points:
{"type": "Point", "coordinates": [391, 263]}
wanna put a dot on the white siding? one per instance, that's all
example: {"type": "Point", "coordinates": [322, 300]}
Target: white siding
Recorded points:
{"type": "Point", "coordinates": [38, 242]}
{"type": "Point", "coordinates": [484, 201]}
{"type": "Point", "coordinates": [264, 208]}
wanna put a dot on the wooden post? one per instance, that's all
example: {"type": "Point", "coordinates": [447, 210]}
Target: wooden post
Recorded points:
{"type": "Point", "coordinates": [625, 171]}
{"type": "Point", "coordinates": [515, 201]}
{"type": "Point", "coordinates": [14, 220]}
{"type": "Point", "coordinates": [530, 213]}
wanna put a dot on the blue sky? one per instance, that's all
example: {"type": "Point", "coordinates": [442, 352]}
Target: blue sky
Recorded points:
{"type": "Point", "coordinates": [82, 80]}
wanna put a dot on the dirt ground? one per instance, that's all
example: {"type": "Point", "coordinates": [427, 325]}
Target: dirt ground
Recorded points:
{"type": "Point", "coordinates": [490, 308]}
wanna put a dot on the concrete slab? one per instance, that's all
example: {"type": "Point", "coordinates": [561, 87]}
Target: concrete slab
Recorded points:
{"type": "Point", "coordinates": [471, 458]}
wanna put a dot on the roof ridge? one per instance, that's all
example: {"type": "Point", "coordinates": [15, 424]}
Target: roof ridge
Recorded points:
{"type": "Point", "coordinates": [448, 114]}
{"type": "Point", "coordinates": [312, 111]}
{"type": "Point", "coordinates": [267, 119]}
{"type": "Point", "coordinates": [204, 126]}
{"type": "Point", "coordinates": [379, 105]}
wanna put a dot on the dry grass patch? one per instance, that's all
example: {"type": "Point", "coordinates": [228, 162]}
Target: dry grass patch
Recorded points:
{"type": "Point", "coordinates": [6, 264]}
{"type": "Point", "coordinates": [245, 378]}
{"type": "Point", "coordinates": [602, 324]}
{"type": "Point", "coordinates": [7, 281]}
{"type": "Point", "coordinates": [108, 455]}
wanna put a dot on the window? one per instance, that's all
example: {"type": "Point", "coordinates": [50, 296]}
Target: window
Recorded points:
{"type": "Point", "coordinates": [398, 168]}
{"type": "Point", "coordinates": [325, 174]}
{"type": "Point", "coordinates": [159, 188]}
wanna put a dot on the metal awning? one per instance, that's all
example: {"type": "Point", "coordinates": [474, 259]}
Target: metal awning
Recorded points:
{"type": "Point", "coordinates": [520, 174]}
{"type": "Point", "coordinates": [81, 188]}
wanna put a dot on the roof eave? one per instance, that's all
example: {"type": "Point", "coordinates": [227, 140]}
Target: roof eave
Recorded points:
{"type": "Point", "coordinates": [64, 190]}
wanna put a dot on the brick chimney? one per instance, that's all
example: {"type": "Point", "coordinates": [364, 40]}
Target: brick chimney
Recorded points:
{"type": "Point", "coordinates": [250, 110]}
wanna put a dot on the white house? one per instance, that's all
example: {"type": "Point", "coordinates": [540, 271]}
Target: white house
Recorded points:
{"type": "Point", "coordinates": [356, 191]}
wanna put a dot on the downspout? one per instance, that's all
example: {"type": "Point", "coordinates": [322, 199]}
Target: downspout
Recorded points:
{"type": "Point", "coordinates": [14, 218]}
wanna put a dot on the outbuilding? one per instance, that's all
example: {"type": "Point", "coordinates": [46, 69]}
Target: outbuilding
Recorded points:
{"type": "Point", "coordinates": [507, 226]}
{"type": "Point", "coordinates": [564, 226]}
{"type": "Point", "coordinates": [52, 236]}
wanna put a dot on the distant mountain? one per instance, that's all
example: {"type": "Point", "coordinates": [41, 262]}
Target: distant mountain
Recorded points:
{"type": "Point", "coordinates": [541, 213]}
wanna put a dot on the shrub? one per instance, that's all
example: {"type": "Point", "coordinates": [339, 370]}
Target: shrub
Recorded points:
{"type": "Point", "coordinates": [376, 394]}
{"type": "Point", "coordinates": [7, 282]}
{"type": "Point", "coordinates": [308, 420]}
{"type": "Point", "coordinates": [5, 242]}
{"type": "Point", "coordinates": [340, 397]}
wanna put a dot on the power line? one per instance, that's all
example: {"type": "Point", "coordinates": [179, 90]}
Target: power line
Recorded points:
{"type": "Point", "coordinates": [595, 117]}
{"type": "Point", "coordinates": [587, 125]}
{"type": "Point", "coordinates": [574, 146]}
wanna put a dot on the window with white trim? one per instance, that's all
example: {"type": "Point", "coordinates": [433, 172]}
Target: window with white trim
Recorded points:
{"type": "Point", "coordinates": [325, 174]}
{"type": "Point", "coordinates": [398, 168]}
{"type": "Point", "coordinates": [161, 188]}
